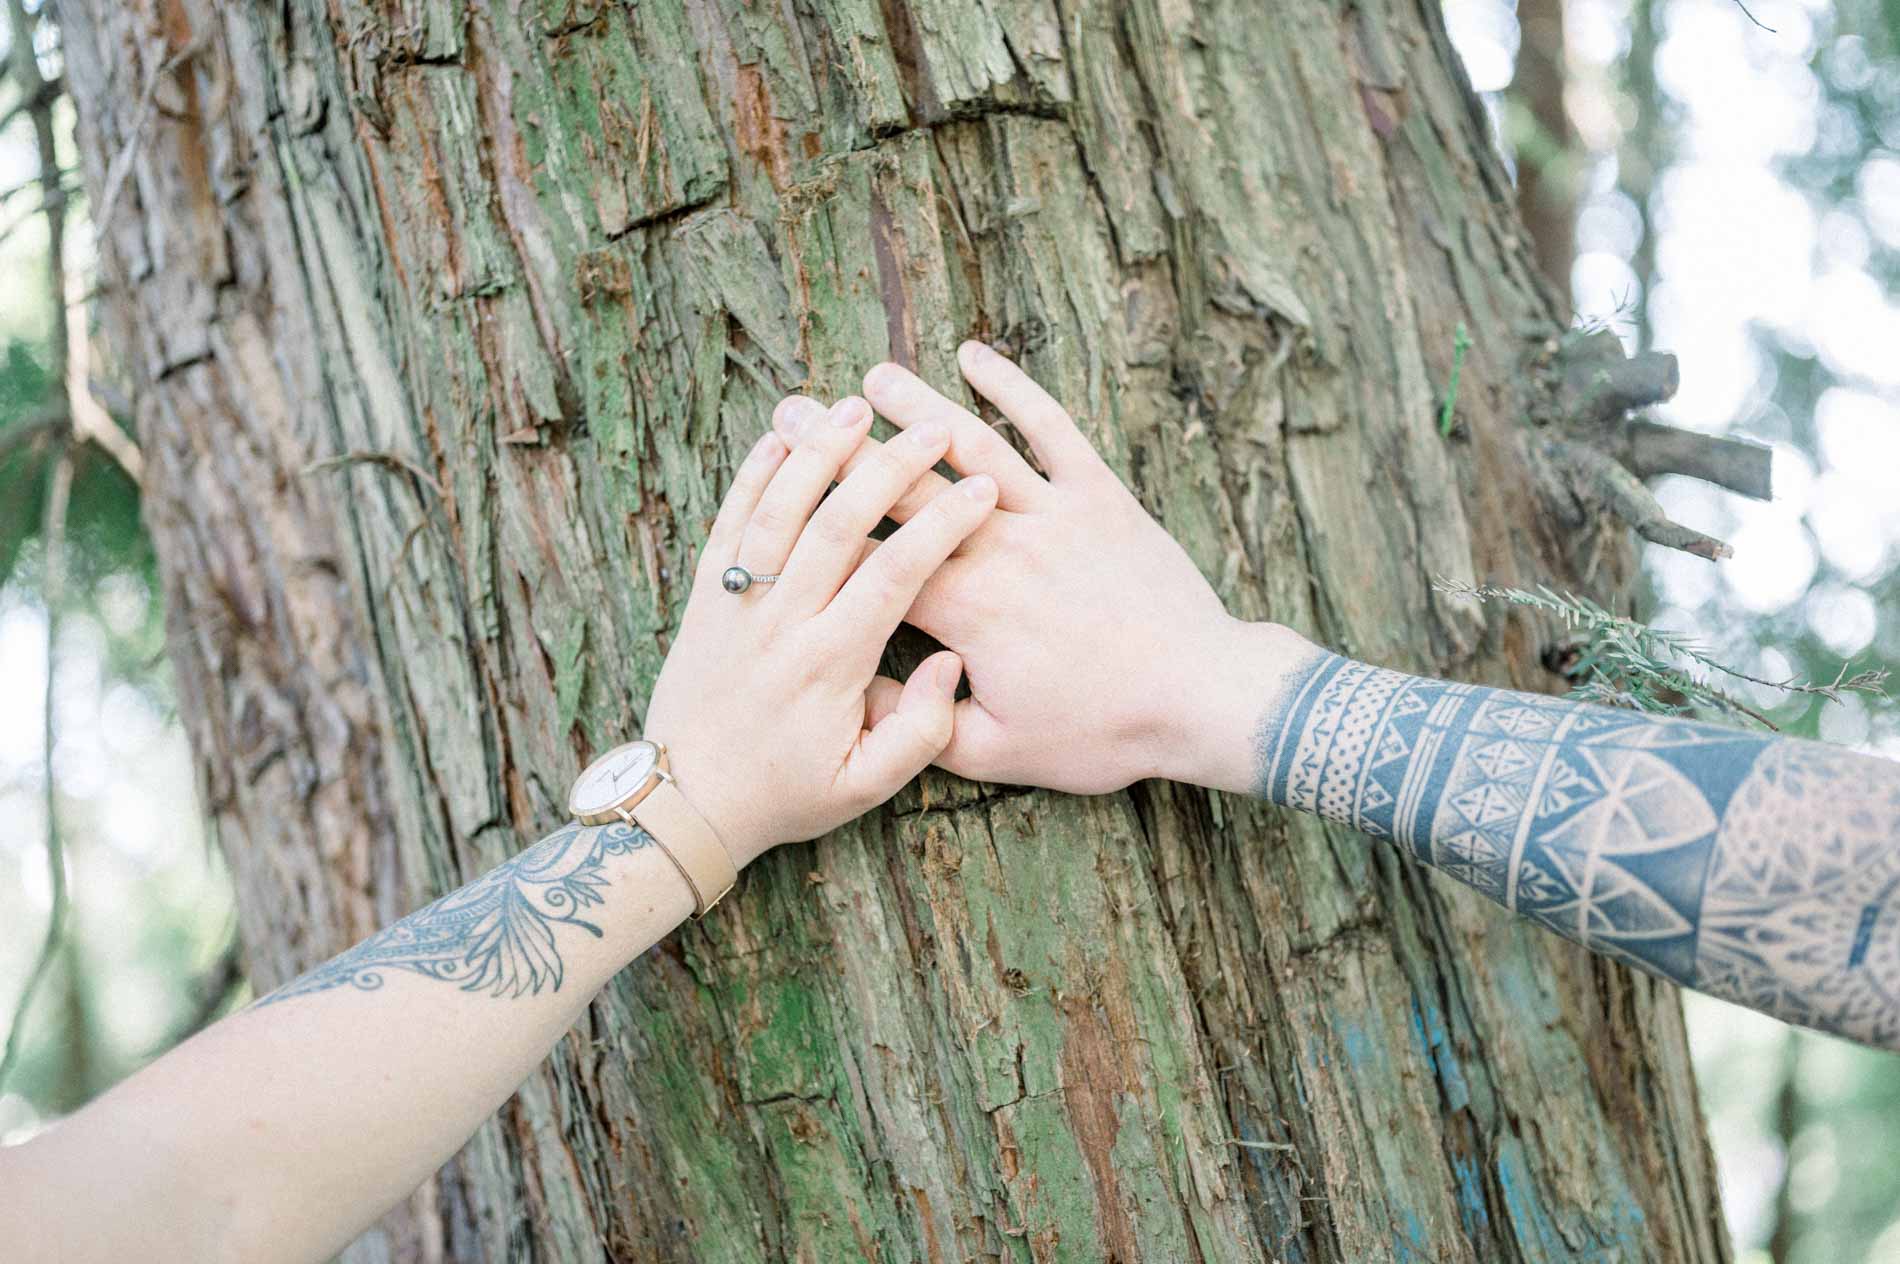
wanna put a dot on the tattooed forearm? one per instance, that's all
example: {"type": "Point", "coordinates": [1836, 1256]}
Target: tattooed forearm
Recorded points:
{"type": "Point", "coordinates": [1760, 869]}
{"type": "Point", "coordinates": [497, 934]}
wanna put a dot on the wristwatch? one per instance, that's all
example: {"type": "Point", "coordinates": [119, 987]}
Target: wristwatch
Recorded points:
{"type": "Point", "coordinates": [632, 783]}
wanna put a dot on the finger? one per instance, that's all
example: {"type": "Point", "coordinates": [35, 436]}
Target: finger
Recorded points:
{"type": "Point", "coordinates": [880, 699]}
{"type": "Point", "coordinates": [903, 743]}
{"type": "Point", "coordinates": [748, 484]}
{"type": "Point", "coordinates": [831, 544]}
{"type": "Point", "coordinates": [1058, 442]}
{"type": "Point", "coordinates": [977, 750]}
{"type": "Point", "coordinates": [974, 447]}
{"type": "Point", "coordinates": [786, 422]}
{"type": "Point", "coordinates": [873, 601]}
{"type": "Point", "coordinates": [948, 606]}
{"type": "Point", "coordinates": [793, 414]}
{"type": "Point", "coordinates": [786, 505]}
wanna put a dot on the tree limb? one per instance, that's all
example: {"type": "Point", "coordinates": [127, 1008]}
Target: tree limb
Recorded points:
{"type": "Point", "coordinates": [1604, 454]}
{"type": "Point", "coordinates": [52, 584]}
{"type": "Point", "coordinates": [1601, 384]}
{"type": "Point", "coordinates": [79, 412]}
{"type": "Point", "coordinates": [48, 421]}
{"type": "Point", "coordinates": [1737, 464]}
{"type": "Point", "coordinates": [1598, 480]}
{"type": "Point", "coordinates": [388, 459]}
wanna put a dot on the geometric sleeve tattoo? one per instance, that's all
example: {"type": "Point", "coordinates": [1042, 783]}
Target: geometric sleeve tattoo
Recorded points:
{"type": "Point", "coordinates": [1761, 869]}
{"type": "Point", "coordinates": [495, 935]}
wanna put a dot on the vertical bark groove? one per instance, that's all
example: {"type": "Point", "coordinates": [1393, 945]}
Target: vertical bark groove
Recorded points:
{"type": "Point", "coordinates": [560, 257]}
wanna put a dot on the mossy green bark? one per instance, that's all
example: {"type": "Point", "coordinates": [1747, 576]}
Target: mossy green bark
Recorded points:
{"type": "Point", "coordinates": [537, 273]}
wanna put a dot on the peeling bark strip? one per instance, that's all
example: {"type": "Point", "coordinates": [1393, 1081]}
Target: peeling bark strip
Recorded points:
{"type": "Point", "coordinates": [521, 281]}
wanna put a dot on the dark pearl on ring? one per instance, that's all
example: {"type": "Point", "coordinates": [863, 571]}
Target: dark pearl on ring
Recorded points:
{"type": "Point", "coordinates": [736, 579]}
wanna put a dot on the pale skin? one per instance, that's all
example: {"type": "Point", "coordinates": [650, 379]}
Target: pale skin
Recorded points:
{"type": "Point", "coordinates": [1757, 868]}
{"type": "Point", "coordinates": [282, 1132]}
{"type": "Point", "coordinates": [1761, 869]}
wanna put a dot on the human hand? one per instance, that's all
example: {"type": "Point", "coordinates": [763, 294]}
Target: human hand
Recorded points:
{"type": "Point", "coordinates": [776, 723]}
{"type": "Point", "coordinates": [1097, 653]}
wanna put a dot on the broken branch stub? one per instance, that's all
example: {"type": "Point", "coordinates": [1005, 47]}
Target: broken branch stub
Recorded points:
{"type": "Point", "coordinates": [1605, 452]}
{"type": "Point", "coordinates": [1600, 483]}
{"type": "Point", "coordinates": [1739, 465]}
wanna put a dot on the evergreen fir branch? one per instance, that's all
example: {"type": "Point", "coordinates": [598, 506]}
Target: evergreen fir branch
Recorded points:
{"type": "Point", "coordinates": [1625, 662]}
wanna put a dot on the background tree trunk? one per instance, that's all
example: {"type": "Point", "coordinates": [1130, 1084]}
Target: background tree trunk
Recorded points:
{"type": "Point", "coordinates": [1540, 130]}
{"type": "Point", "coordinates": [446, 321]}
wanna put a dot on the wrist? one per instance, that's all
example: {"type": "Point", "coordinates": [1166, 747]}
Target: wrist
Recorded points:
{"type": "Point", "coordinates": [1213, 717]}
{"type": "Point", "coordinates": [718, 804]}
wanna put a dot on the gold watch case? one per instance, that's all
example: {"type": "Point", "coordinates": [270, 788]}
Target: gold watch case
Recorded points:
{"type": "Point", "coordinates": [616, 781]}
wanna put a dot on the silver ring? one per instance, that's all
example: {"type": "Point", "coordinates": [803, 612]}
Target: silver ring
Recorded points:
{"type": "Point", "coordinates": [737, 579]}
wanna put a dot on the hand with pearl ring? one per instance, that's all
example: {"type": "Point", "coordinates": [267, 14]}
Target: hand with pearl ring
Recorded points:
{"type": "Point", "coordinates": [1069, 557]}
{"type": "Point", "coordinates": [820, 737]}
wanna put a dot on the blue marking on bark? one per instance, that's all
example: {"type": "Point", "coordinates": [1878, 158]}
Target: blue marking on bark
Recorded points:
{"type": "Point", "coordinates": [1428, 1024]}
{"type": "Point", "coordinates": [1413, 1246]}
{"type": "Point", "coordinates": [1525, 1204]}
{"type": "Point", "coordinates": [1471, 1204]}
{"type": "Point", "coordinates": [1615, 1221]}
{"type": "Point", "coordinates": [1360, 1049]}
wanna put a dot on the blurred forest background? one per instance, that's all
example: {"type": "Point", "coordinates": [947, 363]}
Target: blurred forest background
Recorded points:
{"type": "Point", "coordinates": [1706, 179]}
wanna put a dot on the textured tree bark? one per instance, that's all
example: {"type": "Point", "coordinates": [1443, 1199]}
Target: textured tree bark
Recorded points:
{"type": "Point", "coordinates": [446, 321]}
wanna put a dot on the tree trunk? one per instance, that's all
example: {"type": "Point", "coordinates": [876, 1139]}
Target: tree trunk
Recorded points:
{"type": "Point", "coordinates": [446, 321]}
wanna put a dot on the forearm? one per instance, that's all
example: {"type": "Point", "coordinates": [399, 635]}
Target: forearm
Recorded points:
{"type": "Point", "coordinates": [283, 1131]}
{"type": "Point", "coordinates": [1758, 868]}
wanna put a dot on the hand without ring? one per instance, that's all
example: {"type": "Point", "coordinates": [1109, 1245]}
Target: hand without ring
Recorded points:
{"type": "Point", "coordinates": [737, 579]}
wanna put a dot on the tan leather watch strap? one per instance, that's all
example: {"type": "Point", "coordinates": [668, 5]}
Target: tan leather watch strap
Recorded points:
{"type": "Point", "coordinates": [688, 841]}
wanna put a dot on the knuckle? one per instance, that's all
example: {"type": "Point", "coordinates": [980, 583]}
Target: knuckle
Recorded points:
{"type": "Point", "coordinates": [954, 511]}
{"type": "Point", "coordinates": [903, 545]}
{"type": "Point", "coordinates": [910, 504]}
{"type": "Point", "coordinates": [770, 519]}
{"type": "Point", "coordinates": [884, 582]}
{"type": "Point", "coordinates": [889, 466]}
{"type": "Point", "coordinates": [832, 525]}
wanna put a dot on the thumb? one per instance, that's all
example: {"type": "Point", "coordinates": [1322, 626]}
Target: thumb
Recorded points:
{"type": "Point", "coordinates": [913, 733]}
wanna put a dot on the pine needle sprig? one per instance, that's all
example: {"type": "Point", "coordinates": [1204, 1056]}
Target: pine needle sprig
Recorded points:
{"type": "Point", "coordinates": [1627, 663]}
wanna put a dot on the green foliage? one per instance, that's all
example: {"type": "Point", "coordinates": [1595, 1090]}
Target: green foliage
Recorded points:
{"type": "Point", "coordinates": [1620, 661]}
{"type": "Point", "coordinates": [23, 393]}
{"type": "Point", "coordinates": [1460, 343]}
{"type": "Point", "coordinates": [103, 529]}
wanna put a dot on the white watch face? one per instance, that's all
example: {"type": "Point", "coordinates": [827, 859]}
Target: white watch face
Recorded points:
{"type": "Point", "coordinates": [612, 777]}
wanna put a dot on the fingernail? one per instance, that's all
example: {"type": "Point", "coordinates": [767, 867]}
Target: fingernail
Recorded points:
{"type": "Point", "coordinates": [799, 415]}
{"type": "Point", "coordinates": [929, 433]}
{"type": "Point", "coordinates": [949, 672]}
{"type": "Point", "coordinates": [848, 411]}
{"type": "Point", "coordinates": [978, 487]}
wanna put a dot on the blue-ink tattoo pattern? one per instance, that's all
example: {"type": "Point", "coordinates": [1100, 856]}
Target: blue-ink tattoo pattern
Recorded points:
{"type": "Point", "coordinates": [495, 935]}
{"type": "Point", "coordinates": [1760, 869]}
